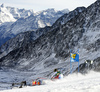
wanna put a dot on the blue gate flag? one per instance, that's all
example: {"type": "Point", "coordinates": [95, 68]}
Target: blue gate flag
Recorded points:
{"type": "Point", "coordinates": [74, 57]}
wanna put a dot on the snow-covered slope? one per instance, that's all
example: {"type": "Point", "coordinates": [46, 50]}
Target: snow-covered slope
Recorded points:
{"type": "Point", "coordinates": [72, 83]}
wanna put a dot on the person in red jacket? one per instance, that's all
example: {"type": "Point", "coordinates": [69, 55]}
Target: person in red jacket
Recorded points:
{"type": "Point", "coordinates": [56, 74]}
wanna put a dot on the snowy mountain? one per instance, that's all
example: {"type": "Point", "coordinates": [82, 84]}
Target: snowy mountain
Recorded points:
{"type": "Point", "coordinates": [19, 13]}
{"type": "Point", "coordinates": [52, 49]}
{"type": "Point", "coordinates": [14, 20]}
{"type": "Point", "coordinates": [11, 44]}
{"type": "Point", "coordinates": [80, 32]}
{"type": "Point", "coordinates": [11, 14]}
{"type": "Point", "coordinates": [5, 15]}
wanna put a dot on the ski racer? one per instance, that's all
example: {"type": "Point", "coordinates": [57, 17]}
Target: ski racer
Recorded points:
{"type": "Point", "coordinates": [57, 74]}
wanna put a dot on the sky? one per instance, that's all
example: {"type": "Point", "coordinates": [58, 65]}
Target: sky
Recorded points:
{"type": "Point", "coordinates": [38, 5]}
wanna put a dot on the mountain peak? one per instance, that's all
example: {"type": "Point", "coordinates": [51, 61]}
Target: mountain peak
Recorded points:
{"type": "Point", "coordinates": [2, 5]}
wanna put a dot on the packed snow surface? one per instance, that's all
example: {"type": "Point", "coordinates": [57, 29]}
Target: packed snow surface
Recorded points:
{"type": "Point", "coordinates": [72, 83]}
